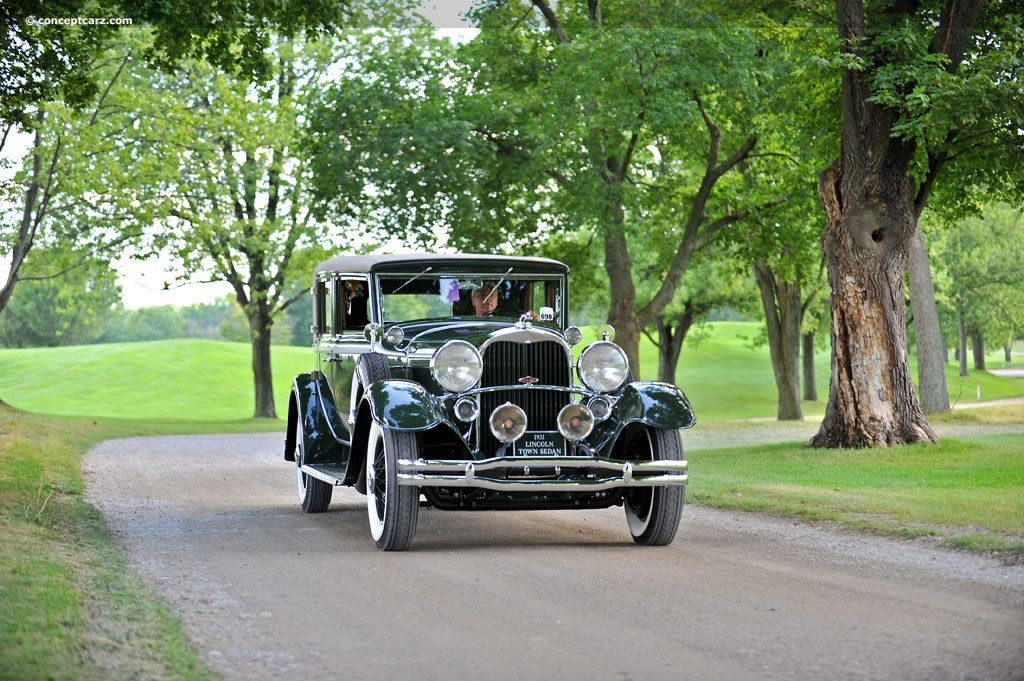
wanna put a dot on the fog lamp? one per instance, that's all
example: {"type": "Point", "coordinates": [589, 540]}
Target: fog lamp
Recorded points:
{"type": "Point", "coordinates": [600, 407]}
{"type": "Point", "coordinates": [508, 422]}
{"type": "Point", "coordinates": [575, 422]}
{"type": "Point", "coordinates": [466, 409]}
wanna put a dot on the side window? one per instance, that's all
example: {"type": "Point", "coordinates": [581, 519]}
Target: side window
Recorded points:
{"type": "Point", "coordinates": [326, 307]}
{"type": "Point", "coordinates": [355, 312]}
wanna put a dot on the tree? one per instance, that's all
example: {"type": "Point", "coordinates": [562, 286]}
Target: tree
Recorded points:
{"type": "Point", "coordinates": [54, 203]}
{"type": "Point", "coordinates": [232, 186]}
{"type": "Point", "coordinates": [67, 310]}
{"type": "Point", "coordinates": [48, 61]}
{"type": "Point", "coordinates": [557, 120]}
{"type": "Point", "coordinates": [51, 62]}
{"type": "Point", "coordinates": [984, 283]}
{"type": "Point", "coordinates": [868, 194]}
{"type": "Point", "coordinates": [710, 284]}
{"type": "Point", "coordinates": [49, 47]}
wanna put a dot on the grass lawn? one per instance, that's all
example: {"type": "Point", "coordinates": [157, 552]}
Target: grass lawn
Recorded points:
{"type": "Point", "coordinates": [180, 379]}
{"type": "Point", "coordinates": [967, 492]}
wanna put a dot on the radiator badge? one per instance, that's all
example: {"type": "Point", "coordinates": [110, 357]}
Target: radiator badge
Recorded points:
{"type": "Point", "coordinates": [529, 380]}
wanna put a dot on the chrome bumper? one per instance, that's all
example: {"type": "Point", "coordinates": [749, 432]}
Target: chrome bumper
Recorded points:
{"type": "Point", "coordinates": [594, 474]}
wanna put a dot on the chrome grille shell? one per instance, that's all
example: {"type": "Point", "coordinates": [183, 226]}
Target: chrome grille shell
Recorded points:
{"type": "Point", "coordinates": [528, 362]}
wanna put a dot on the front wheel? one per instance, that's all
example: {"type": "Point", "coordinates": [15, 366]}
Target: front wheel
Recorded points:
{"type": "Point", "coordinates": [653, 513]}
{"type": "Point", "coordinates": [392, 508]}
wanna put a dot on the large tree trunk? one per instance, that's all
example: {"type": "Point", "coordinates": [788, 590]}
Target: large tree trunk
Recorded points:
{"type": "Point", "coordinates": [871, 396]}
{"type": "Point", "coordinates": [622, 313]}
{"type": "Point", "coordinates": [263, 380]}
{"type": "Point", "coordinates": [931, 371]}
{"type": "Point", "coordinates": [782, 311]}
{"type": "Point", "coordinates": [869, 198]}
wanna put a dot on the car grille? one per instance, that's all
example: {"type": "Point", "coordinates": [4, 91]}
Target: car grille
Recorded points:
{"type": "Point", "coordinates": [506, 363]}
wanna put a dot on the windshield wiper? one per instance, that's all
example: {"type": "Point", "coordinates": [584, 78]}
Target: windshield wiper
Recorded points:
{"type": "Point", "coordinates": [498, 285]}
{"type": "Point", "coordinates": [429, 268]}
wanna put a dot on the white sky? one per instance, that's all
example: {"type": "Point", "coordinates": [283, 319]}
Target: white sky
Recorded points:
{"type": "Point", "coordinates": [143, 285]}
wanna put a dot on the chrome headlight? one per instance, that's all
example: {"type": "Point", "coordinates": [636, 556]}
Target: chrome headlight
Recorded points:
{"type": "Point", "coordinates": [456, 366]}
{"type": "Point", "coordinates": [603, 367]}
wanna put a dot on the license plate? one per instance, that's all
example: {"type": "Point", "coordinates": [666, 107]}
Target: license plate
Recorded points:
{"type": "Point", "coordinates": [540, 444]}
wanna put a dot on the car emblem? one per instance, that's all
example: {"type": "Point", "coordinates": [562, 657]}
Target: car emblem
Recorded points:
{"type": "Point", "coordinates": [529, 380]}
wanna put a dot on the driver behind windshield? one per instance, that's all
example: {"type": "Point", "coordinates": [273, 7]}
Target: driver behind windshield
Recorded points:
{"type": "Point", "coordinates": [485, 300]}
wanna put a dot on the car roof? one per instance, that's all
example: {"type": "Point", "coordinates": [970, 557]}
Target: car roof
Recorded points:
{"type": "Point", "coordinates": [415, 263]}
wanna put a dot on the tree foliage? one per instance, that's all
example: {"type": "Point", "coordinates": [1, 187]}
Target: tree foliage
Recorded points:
{"type": "Point", "coordinates": [67, 310]}
{"type": "Point", "coordinates": [227, 189]}
{"type": "Point", "coordinates": [983, 263]}
{"type": "Point", "coordinates": [604, 118]}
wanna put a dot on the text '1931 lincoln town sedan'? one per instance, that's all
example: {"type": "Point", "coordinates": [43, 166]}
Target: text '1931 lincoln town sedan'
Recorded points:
{"type": "Point", "coordinates": [453, 377]}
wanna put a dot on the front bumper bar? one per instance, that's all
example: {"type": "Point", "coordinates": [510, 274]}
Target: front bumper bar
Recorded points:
{"type": "Point", "coordinates": [542, 473]}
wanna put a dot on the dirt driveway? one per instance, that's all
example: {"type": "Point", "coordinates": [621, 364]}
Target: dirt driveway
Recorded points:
{"type": "Point", "coordinates": [272, 593]}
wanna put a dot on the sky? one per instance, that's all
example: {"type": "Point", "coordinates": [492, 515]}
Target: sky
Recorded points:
{"type": "Point", "coordinates": [150, 283]}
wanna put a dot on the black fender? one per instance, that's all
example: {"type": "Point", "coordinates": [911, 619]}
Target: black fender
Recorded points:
{"type": "Point", "coordinates": [327, 439]}
{"type": "Point", "coordinates": [653, 404]}
{"type": "Point", "coordinates": [658, 405]}
{"type": "Point", "coordinates": [403, 405]}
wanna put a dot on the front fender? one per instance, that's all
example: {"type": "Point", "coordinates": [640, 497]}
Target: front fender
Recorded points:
{"type": "Point", "coordinates": [403, 405]}
{"type": "Point", "coordinates": [659, 405]}
{"type": "Point", "coordinates": [326, 436]}
{"type": "Point", "coordinates": [656, 405]}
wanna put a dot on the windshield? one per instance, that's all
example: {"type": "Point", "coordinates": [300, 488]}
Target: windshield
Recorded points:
{"type": "Point", "coordinates": [432, 297]}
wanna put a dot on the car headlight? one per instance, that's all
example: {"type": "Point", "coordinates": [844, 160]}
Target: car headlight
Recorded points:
{"type": "Point", "coordinates": [603, 367]}
{"type": "Point", "coordinates": [456, 366]}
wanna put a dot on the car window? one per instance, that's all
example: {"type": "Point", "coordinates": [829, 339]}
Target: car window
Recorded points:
{"type": "Point", "coordinates": [408, 298]}
{"type": "Point", "coordinates": [354, 305]}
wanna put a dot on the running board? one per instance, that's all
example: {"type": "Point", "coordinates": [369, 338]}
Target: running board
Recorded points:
{"type": "Point", "coordinates": [331, 474]}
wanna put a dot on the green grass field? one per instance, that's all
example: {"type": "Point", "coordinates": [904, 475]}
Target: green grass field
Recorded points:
{"type": "Point", "coordinates": [73, 607]}
{"type": "Point", "coordinates": [202, 380]}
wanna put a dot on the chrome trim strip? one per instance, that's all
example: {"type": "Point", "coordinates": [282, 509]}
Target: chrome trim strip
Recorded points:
{"type": "Point", "coordinates": [446, 473]}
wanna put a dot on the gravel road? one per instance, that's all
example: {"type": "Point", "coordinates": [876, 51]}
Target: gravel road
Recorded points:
{"type": "Point", "coordinates": [271, 593]}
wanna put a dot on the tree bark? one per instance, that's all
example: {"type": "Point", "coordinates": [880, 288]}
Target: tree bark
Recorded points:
{"type": "Point", "coordinates": [782, 310]}
{"type": "Point", "coordinates": [671, 336]}
{"type": "Point", "coordinates": [622, 311]}
{"type": "Point", "coordinates": [810, 382]}
{"type": "Point", "coordinates": [931, 372]}
{"type": "Point", "coordinates": [978, 349]}
{"type": "Point", "coordinates": [869, 198]}
{"type": "Point", "coordinates": [260, 323]}
{"type": "Point", "coordinates": [872, 401]}
{"type": "Point", "coordinates": [961, 349]}
{"type": "Point", "coordinates": [1008, 352]}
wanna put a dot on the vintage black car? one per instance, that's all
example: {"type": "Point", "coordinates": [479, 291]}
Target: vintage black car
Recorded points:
{"type": "Point", "coordinates": [453, 376]}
